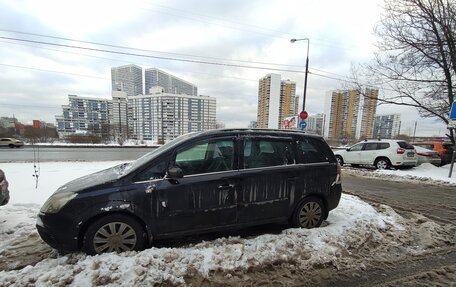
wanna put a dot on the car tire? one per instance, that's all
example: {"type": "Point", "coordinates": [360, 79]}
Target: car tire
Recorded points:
{"type": "Point", "coordinates": [114, 233]}
{"type": "Point", "coordinates": [340, 160]}
{"type": "Point", "coordinates": [309, 214]}
{"type": "Point", "coordinates": [11, 146]}
{"type": "Point", "coordinates": [382, 163]}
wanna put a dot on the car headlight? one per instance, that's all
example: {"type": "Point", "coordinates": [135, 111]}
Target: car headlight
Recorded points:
{"type": "Point", "coordinates": [57, 201]}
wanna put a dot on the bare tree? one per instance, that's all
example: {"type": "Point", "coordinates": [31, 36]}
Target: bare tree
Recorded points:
{"type": "Point", "coordinates": [416, 59]}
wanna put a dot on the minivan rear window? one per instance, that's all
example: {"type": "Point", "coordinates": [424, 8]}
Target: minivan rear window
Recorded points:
{"type": "Point", "coordinates": [405, 145]}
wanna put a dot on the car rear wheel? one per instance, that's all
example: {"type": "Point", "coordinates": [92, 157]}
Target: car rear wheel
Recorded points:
{"type": "Point", "coordinates": [310, 213]}
{"type": "Point", "coordinates": [11, 145]}
{"type": "Point", "coordinates": [340, 160]}
{"type": "Point", "coordinates": [114, 233]}
{"type": "Point", "coordinates": [382, 163]}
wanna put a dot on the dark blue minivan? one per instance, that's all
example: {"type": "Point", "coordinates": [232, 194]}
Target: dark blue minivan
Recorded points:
{"type": "Point", "coordinates": [199, 182]}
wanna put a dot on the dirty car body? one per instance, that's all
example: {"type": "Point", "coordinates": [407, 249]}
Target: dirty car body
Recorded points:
{"type": "Point", "coordinates": [197, 183]}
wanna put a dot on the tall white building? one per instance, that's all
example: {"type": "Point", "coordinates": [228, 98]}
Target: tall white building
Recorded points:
{"type": "Point", "coordinates": [171, 84]}
{"type": "Point", "coordinates": [162, 117]}
{"type": "Point", "coordinates": [127, 79]}
{"type": "Point", "coordinates": [387, 126]}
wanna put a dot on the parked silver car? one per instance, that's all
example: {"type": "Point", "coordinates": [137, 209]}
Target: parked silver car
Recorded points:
{"type": "Point", "coordinates": [427, 155]}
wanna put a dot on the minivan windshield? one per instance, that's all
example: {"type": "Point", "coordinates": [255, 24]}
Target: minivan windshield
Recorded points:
{"type": "Point", "coordinates": [151, 155]}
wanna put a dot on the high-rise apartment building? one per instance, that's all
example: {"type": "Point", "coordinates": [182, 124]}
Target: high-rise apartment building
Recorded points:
{"type": "Point", "coordinates": [118, 117]}
{"type": "Point", "coordinates": [350, 114]}
{"type": "Point", "coordinates": [387, 126]}
{"type": "Point", "coordinates": [127, 79]}
{"type": "Point", "coordinates": [288, 99]}
{"type": "Point", "coordinates": [171, 84]}
{"type": "Point", "coordinates": [85, 114]}
{"type": "Point", "coordinates": [316, 123]}
{"type": "Point", "coordinates": [276, 100]}
{"type": "Point", "coordinates": [162, 117]}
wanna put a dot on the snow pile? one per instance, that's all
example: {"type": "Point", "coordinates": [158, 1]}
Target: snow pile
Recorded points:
{"type": "Point", "coordinates": [356, 234]}
{"type": "Point", "coordinates": [425, 173]}
{"type": "Point", "coordinates": [354, 231]}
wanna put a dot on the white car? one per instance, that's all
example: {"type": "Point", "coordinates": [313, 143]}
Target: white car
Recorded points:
{"type": "Point", "coordinates": [383, 154]}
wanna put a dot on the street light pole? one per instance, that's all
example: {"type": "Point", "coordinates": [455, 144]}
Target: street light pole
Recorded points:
{"type": "Point", "coordinates": [307, 71]}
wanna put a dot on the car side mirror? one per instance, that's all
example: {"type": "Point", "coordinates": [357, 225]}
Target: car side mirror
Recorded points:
{"type": "Point", "coordinates": [175, 173]}
{"type": "Point", "coordinates": [348, 149]}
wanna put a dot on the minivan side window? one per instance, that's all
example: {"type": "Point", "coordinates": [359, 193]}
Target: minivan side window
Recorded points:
{"type": "Point", "coordinates": [206, 157]}
{"type": "Point", "coordinates": [264, 153]}
{"type": "Point", "coordinates": [311, 152]}
{"type": "Point", "coordinates": [156, 171]}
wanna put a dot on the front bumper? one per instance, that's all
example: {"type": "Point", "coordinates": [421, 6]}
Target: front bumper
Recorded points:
{"type": "Point", "coordinates": [57, 231]}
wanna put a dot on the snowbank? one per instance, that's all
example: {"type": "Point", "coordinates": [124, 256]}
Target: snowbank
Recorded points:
{"type": "Point", "coordinates": [354, 235]}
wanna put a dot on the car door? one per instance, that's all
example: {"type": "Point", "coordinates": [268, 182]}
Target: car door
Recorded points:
{"type": "Point", "coordinates": [267, 178]}
{"type": "Point", "coordinates": [205, 196]}
{"type": "Point", "coordinates": [353, 154]}
{"type": "Point", "coordinates": [369, 153]}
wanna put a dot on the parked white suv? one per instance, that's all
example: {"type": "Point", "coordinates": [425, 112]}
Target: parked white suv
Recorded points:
{"type": "Point", "coordinates": [383, 154]}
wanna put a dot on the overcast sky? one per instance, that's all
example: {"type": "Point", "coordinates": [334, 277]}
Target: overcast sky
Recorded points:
{"type": "Point", "coordinates": [35, 79]}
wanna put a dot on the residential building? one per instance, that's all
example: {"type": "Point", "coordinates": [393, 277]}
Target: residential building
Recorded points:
{"type": "Point", "coordinates": [171, 84]}
{"type": "Point", "coordinates": [316, 123]}
{"type": "Point", "coordinates": [162, 117]}
{"type": "Point", "coordinates": [350, 114]}
{"type": "Point", "coordinates": [127, 79]}
{"type": "Point", "coordinates": [387, 126]}
{"type": "Point", "coordinates": [288, 99]}
{"type": "Point", "coordinates": [276, 100]}
{"type": "Point", "coordinates": [118, 117]}
{"type": "Point", "coordinates": [7, 122]}
{"type": "Point", "coordinates": [84, 115]}
{"type": "Point", "coordinates": [253, 125]}
{"type": "Point", "coordinates": [368, 104]}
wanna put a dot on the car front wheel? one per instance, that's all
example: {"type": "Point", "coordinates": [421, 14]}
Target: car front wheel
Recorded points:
{"type": "Point", "coordinates": [114, 233]}
{"type": "Point", "coordinates": [310, 213]}
{"type": "Point", "coordinates": [382, 163]}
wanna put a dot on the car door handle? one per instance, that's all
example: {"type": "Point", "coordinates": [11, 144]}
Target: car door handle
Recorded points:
{"type": "Point", "coordinates": [293, 178]}
{"type": "Point", "coordinates": [151, 188]}
{"type": "Point", "coordinates": [224, 186]}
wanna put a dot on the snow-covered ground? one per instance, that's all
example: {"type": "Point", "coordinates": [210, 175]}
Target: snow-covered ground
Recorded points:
{"type": "Point", "coordinates": [354, 235]}
{"type": "Point", "coordinates": [425, 173]}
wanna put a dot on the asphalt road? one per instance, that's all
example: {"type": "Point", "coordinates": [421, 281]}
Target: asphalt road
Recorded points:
{"type": "Point", "coordinates": [42, 154]}
{"type": "Point", "coordinates": [435, 202]}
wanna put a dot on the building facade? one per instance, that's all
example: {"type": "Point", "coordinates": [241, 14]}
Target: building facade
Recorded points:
{"type": "Point", "coordinates": [387, 126]}
{"type": "Point", "coordinates": [162, 117]}
{"type": "Point", "coordinates": [118, 117]}
{"type": "Point", "coordinates": [316, 123]}
{"type": "Point", "coordinates": [171, 84]}
{"type": "Point", "coordinates": [127, 79]}
{"type": "Point", "coordinates": [84, 115]}
{"type": "Point", "coordinates": [350, 114]}
{"type": "Point", "coordinates": [276, 100]}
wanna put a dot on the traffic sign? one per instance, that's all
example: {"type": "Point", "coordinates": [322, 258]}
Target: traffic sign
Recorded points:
{"type": "Point", "coordinates": [453, 111]}
{"type": "Point", "coordinates": [303, 115]}
{"type": "Point", "coordinates": [303, 124]}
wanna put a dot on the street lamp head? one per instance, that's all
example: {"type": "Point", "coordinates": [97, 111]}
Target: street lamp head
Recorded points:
{"type": "Point", "coordinates": [293, 40]}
